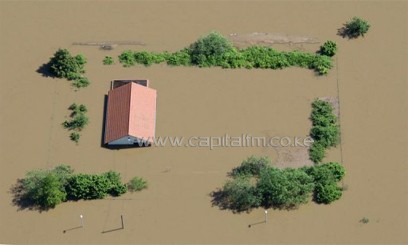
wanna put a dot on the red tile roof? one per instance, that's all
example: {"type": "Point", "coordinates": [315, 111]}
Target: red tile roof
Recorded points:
{"type": "Point", "coordinates": [131, 112]}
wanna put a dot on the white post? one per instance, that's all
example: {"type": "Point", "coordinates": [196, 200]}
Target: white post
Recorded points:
{"type": "Point", "coordinates": [82, 220]}
{"type": "Point", "coordinates": [266, 216]}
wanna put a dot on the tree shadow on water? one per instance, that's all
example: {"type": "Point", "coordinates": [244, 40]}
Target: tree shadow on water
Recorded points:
{"type": "Point", "coordinates": [223, 202]}
{"type": "Point", "coordinates": [345, 32]}
{"type": "Point", "coordinates": [45, 70]}
{"type": "Point", "coordinates": [21, 199]}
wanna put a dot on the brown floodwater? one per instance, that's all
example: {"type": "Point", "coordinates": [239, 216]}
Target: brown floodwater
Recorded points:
{"type": "Point", "coordinates": [372, 84]}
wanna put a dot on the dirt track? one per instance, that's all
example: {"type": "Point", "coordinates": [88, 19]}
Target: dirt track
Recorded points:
{"type": "Point", "coordinates": [176, 208]}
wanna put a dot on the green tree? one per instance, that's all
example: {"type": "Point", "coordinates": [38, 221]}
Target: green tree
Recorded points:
{"type": "Point", "coordinates": [326, 136]}
{"type": "Point", "coordinates": [210, 50]}
{"type": "Point", "coordinates": [45, 188]}
{"type": "Point", "coordinates": [64, 65]}
{"type": "Point", "coordinates": [317, 152]}
{"type": "Point", "coordinates": [116, 188]}
{"type": "Point", "coordinates": [239, 195]}
{"type": "Point", "coordinates": [108, 60]}
{"type": "Point", "coordinates": [327, 193]}
{"type": "Point", "coordinates": [329, 48]}
{"type": "Point", "coordinates": [287, 188]}
{"type": "Point", "coordinates": [356, 27]}
{"type": "Point", "coordinates": [326, 177]}
{"type": "Point", "coordinates": [252, 166]}
{"type": "Point", "coordinates": [87, 186]}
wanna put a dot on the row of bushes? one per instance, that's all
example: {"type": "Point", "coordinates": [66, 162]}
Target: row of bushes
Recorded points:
{"type": "Point", "coordinates": [65, 65]}
{"type": "Point", "coordinates": [255, 183]}
{"type": "Point", "coordinates": [216, 50]}
{"type": "Point", "coordinates": [78, 121]}
{"type": "Point", "coordinates": [325, 130]}
{"type": "Point", "coordinates": [44, 189]}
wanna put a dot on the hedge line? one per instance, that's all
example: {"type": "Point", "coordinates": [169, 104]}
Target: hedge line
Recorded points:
{"type": "Point", "coordinates": [216, 50]}
{"type": "Point", "coordinates": [46, 188]}
{"type": "Point", "coordinates": [255, 183]}
{"type": "Point", "coordinates": [325, 130]}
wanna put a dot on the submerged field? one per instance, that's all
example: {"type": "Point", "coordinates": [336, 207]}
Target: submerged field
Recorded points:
{"type": "Point", "coordinates": [369, 76]}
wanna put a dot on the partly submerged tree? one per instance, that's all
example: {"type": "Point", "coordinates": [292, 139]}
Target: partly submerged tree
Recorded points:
{"type": "Point", "coordinates": [64, 65]}
{"type": "Point", "coordinates": [329, 48]}
{"type": "Point", "coordinates": [355, 27]}
{"type": "Point", "coordinates": [238, 195]}
{"type": "Point", "coordinates": [210, 50]}
{"type": "Point", "coordinates": [286, 188]}
{"type": "Point", "coordinates": [45, 188]}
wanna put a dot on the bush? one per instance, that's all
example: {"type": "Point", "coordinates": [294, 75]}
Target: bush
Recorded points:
{"type": "Point", "coordinates": [64, 65]}
{"type": "Point", "coordinates": [356, 27]}
{"type": "Point", "coordinates": [331, 172]}
{"type": "Point", "coordinates": [321, 64]}
{"type": "Point", "coordinates": [81, 82]}
{"type": "Point", "coordinates": [327, 136]}
{"type": "Point", "coordinates": [328, 193]}
{"type": "Point", "coordinates": [287, 188]}
{"type": "Point", "coordinates": [252, 166]}
{"type": "Point", "coordinates": [317, 152]}
{"type": "Point", "coordinates": [87, 186]}
{"type": "Point", "coordinates": [108, 60]}
{"type": "Point", "coordinates": [149, 58]}
{"type": "Point", "coordinates": [137, 184]}
{"type": "Point", "coordinates": [127, 58]}
{"type": "Point", "coordinates": [326, 177]}
{"type": "Point", "coordinates": [325, 130]}
{"type": "Point", "coordinates": [180, 58]}
{"type": "Point", "coordinates": [77, 123]}
{"type": "Point", "coordinates": [82, 108]}
{"type": "Point", "coordinates": [239, 195]}
{"type": "Point", "coordinates": [74, 136]}
{"type": "Point", "coordinates": [92, 186]}
{"type": "Point", "coordinates": [320, 108]}
{"type": "Point", "coordinates": [329, 48]}
{"type": "Point", "coordinates": [116, 187]}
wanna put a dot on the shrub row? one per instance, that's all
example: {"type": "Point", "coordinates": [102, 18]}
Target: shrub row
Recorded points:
{"type": "Point", "coordinates": [44, 189]}
{"type": "Point", "coordinates": [216, 50]}
{"type": "Point", "coordinates": [78, 121]}
{"type": "Point", "coordinates": [256, 184]}
{"type": "Point", "coordinates": [65, 65]}
{"type": "Point", "coordinates": [325, 130]}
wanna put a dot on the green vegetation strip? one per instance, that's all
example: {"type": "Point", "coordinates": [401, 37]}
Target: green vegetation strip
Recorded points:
{"type": "Point", "coordinates": [216, 50]}
{"type": "Point", "coordinates": [255, 183]}
{"type": "Point", "coordinates": [325, 130]}
{"type": "Point", "coordinates": [45, 189]}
